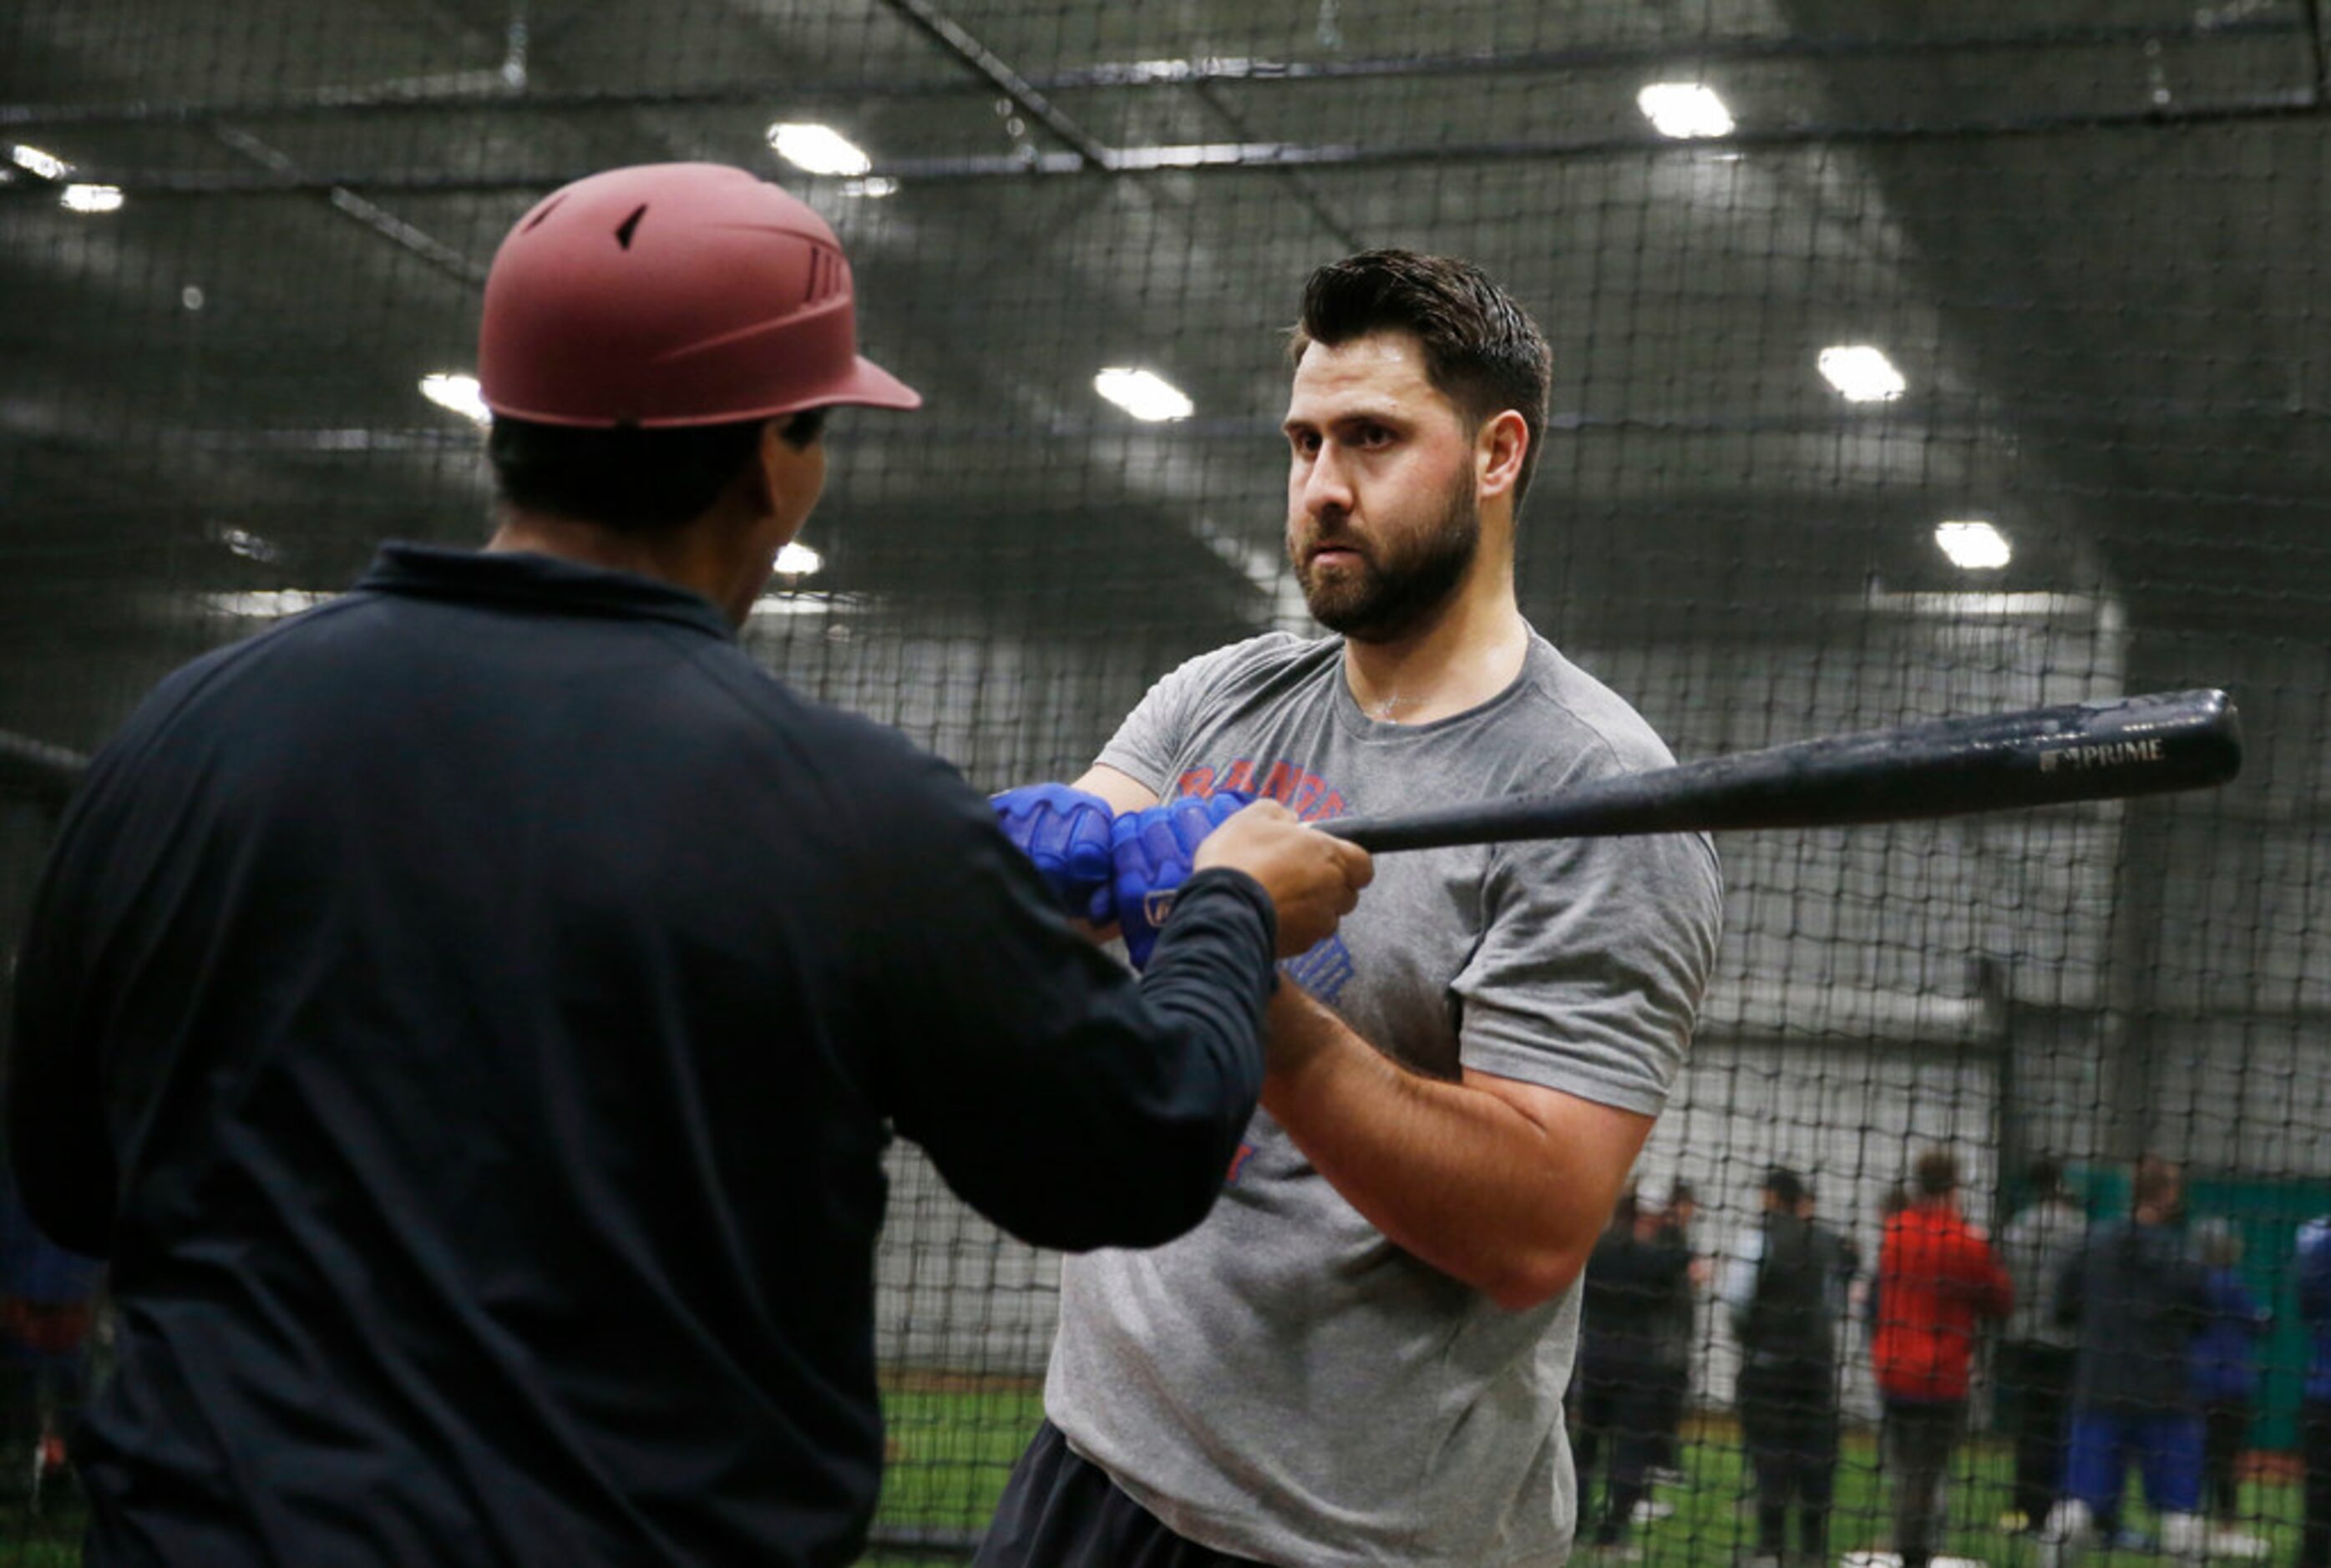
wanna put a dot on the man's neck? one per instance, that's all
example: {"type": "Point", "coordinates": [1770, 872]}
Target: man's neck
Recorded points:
{"type": "Point", "coordinates": [1467, 653]}
{"type": "Point", "coordinates": [687, 557]}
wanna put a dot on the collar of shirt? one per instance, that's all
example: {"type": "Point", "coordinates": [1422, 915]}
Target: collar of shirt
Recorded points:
{"type": "Point", "coordinates": [546, 582]}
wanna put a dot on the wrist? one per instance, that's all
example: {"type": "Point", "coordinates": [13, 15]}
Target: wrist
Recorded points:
{"type": "Point", "coordinates": [1299, 1036]}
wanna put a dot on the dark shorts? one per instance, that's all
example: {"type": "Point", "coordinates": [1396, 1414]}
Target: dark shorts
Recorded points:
{"type": "Point", "coordinates": [1060, 1511]}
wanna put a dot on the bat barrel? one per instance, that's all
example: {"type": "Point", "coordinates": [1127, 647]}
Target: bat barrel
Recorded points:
{"type": "Point", "coordinates": [37, 769]}
{"type": "Point", "coordinates": [2041, 756]}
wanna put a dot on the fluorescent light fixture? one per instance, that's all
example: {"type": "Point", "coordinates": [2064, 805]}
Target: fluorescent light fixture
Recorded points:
{"type": "Point", "coordinates": [819, 150]}
{"type": "Point", "coordinates": [455, 391]}
{"type": "Point", "coordinates": [1684, 110]}
{"type": "Point", "coordinates": [872, 187]}
{"type": "Point", "coordinates": [92, 199]}
{"type": "Point", "coordinates": [811, 601]}
{"type": "Point", "coordinates": [250, 546]}
{"type": "Point", "coordinates": [798, 560]}
{"type": "Point", "coordinates": [33, 160]}
{"type": "Point", "coordinates": [1861, 372]}
{"type": "Point", "coordinates": [265, 603]}
{"type": "Point", "coordinates": [1973, 544]}
{"type": "Point", "coordinates": [1143, 394]}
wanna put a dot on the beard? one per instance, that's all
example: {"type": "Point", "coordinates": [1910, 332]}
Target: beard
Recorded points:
{"type": "Point", "coordinates": [1384, 598]}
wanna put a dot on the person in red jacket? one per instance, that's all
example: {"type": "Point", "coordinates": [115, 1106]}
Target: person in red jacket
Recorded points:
{"type": "Point", "coordinates": [1936, 1280]}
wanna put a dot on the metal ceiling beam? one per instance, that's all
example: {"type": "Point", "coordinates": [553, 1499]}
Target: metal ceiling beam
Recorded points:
{"type": "Point", "coordinates": [40, 770]}
{"type": "Point", "coordinates": [953, 37]}
{"type": "Point", "coordinates": [483, 89]}
{"type": "Point", "coordinates": [361, 210]}
{"type": "Point", "coordinates": [1203, 157]}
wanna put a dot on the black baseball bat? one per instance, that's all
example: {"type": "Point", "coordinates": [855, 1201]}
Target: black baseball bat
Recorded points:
{"type": "Point", "coordinates": [2134, 746]}
{"type": "Point", "coordinates": [37, 768]}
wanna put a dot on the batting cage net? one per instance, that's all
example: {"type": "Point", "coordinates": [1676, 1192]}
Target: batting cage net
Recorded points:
{"type": "Point", "coordinates": [1909, 361]}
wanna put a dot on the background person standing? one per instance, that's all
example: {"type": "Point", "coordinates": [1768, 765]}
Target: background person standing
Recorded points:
{"type": "Point", "coordinates": [1786, 1295]}
{"type": "Point", "coordinates": [1937, 1282]}
{"type": "Point", "coordinates": [1634, 1282]}
{"type": "Point", "coordinates": [2036, 1350]}
{"type": "Point", "coordinates": [2225, 1379]}
{"type": "Point", "coordinates": [2138, 1296]}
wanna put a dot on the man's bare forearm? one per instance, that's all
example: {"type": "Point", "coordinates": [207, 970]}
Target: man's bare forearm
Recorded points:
{"type": "Point", "coordinates": [1501, 1185]}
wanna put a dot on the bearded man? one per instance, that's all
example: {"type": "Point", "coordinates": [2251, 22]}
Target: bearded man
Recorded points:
{"type": "Point", "coordinates": [1360, 1356]}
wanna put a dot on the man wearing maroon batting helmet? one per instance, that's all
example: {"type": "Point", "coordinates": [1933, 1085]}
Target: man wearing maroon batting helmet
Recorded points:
{"type": "Point", "coordinates": [471, 1014]}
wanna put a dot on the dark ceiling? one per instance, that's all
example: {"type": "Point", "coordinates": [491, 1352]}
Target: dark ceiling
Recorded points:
{"type": "Point", "coordinates": [2091, 235]}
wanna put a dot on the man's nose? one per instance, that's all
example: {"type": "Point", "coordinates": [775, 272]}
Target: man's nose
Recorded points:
{"type": "Point", "coordinates": [1327, 486]}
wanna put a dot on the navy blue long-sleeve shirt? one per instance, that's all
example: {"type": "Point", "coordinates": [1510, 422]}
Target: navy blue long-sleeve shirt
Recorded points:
{"type": "Point", "coordinates": [471, 1018]}
{"type": "Point", "coordinates": [2138, 1296]}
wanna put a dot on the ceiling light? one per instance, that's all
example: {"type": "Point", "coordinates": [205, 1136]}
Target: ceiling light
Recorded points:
{"type": "Point", "coordinates": [453, 390]}
{"type": "Point", "coordinates": [819, 150]}
{"type": "Point", "coordinates": [264, 603]}
{"type": "Point", "coordinates": [798, 560]}
{"type": "Point", "coordinates": [250, 546]}
{"type": "Point", "coordinates": [47, 165]}
{"type": "Point", "coordinates": [1684, 110]}
{"type": "Point", "coordinates": [1974, 544]}
{"type": "Point", "coordinates": [811, 601]}
{"type": "Point", "coordinates": [92, 199]}
{"type": "Point", "coordinates": [873, 186]}
{"type": "Point", "coordinates": [1143, 394]}
{"type": "Point", "coordinates": [1861, 372]}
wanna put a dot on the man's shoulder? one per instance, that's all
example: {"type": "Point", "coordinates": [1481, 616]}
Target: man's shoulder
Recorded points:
{"type": "Point", "coordinates": [1260, 662]}
{"type": "Point", "coordinates": [216, 691]}
{"type": "Point", "coordinates": [1576, 713]}
{"type": "Point", "coordinates": [764, 716]}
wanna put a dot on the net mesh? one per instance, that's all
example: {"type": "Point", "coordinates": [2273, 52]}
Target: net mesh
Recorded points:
{"type": "Point", "coordinates": [236, 237]}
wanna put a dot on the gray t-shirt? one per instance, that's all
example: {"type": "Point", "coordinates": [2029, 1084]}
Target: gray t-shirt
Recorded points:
{"type": "Point", "coordinates": [1285, 1383]}
{"type": "Point", "coordinates": [2034, 1249]}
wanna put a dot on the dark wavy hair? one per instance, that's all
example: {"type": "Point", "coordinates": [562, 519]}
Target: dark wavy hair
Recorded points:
{"type": "Point", "coordinates": [1481, 350]}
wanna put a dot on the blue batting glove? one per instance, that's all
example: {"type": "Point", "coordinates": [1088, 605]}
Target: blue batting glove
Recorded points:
{"type": "Point", "coordinates": [1066, 832]}
{"type": "Point", "coordinates": [1152, 852]}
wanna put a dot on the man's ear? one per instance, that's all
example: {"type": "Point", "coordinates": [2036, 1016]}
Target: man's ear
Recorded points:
{"type": "Point", "coordinates": [1497, 452]}
{"type": "Point", "coordinates": [764, 476]}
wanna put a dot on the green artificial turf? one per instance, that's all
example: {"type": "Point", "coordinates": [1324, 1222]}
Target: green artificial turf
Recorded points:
{"type": "Point", "coordinates": [953, 1441]}
{"type": "Point", "coordinates": [951, 1449]}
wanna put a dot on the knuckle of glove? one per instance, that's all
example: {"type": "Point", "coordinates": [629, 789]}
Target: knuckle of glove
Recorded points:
{"type": "Point", "coordinates": [1064, 832]}
{"type": "Point", "coordinates": [1151, 851]}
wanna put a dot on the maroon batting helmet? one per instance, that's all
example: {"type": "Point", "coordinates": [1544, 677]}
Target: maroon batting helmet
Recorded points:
{"type": "Point", "coordinates": [674, 294]}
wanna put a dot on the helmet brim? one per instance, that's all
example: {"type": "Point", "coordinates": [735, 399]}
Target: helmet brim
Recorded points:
{"type": "Point", "coordinates": [869, 385]}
